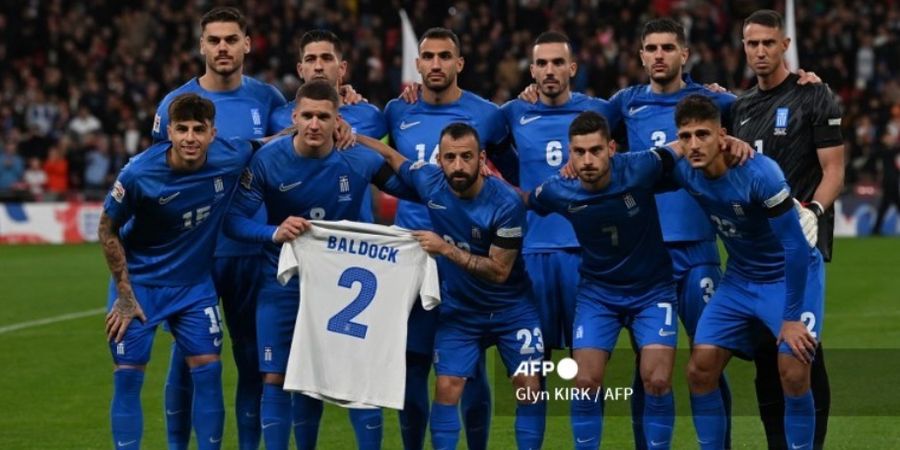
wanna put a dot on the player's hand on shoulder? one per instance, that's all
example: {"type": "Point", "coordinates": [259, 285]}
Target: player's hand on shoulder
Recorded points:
{"type": "Point", "coordinates": [410, 93]}
{"type": "Point", "coordinates": [349, 96]}
{"type": "Point", "coordinates": [290, 229]}
{"type": "Point", "coordinates": [797, 337]}
{"type": "Point", "coordinates": [433, 244]}
{"type": "Point", "coordinates": [715, 87]}
{"type": "Point", "coordinates": [808, 77]}
{"type": "Point", "coordinates": [125, 309]}
{"type": "Point", "coordinates": [344, 137]}
{"type": "Point", "coordinates": [737, 152]}
{"type": "Point", "coordinates": [809, 221]}
{"type": "Point", "coordinates": [568, 172]}
{"type": "Point", "coordinates": [530, 94]}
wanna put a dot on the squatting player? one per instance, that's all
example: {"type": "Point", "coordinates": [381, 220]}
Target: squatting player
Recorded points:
{"type": "Point", "coordinates": [173, 197]}
{"type": "Point", "coordinates": [772, 276]}
{"type": "Point", "coordinates": [626, 273]}
{"type": "Point", "coordinates": [299, 177]}
{"type": "Point", "coordinates": [477, 228]}
{"type": "Point", "coordinates": [243, 106]}
{"type": "Point", "coordinates": [800, 128]}
{"type": "Point", "coordinates": [415, 132]}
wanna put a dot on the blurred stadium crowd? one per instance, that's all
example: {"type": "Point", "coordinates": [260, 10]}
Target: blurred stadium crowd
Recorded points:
{"type": "Point", "coordinates": [80, 81]}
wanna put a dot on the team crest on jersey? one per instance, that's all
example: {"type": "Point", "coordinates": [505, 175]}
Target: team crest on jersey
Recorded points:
{"type": "Point", "coordinates": [157, 121]}
{"type": "Point", "coordinates": [344, 184]}
{"type": "Point", "coordinates": [738, 210]}
{"type": "Point", "coordinates": [781, 121]}
{"type": "Point", "coordinates": [476, 233]}
{"type": "Point", "coordinates": [118, 191]}
{"type": "Point", "coordinates": [247, 178]}
{"type": "Point", "coordinates": [218, 184]}
{"type": "Point", "coordinates": [579, 332]}
{"type": "Point", "coordinates": [120, 349]}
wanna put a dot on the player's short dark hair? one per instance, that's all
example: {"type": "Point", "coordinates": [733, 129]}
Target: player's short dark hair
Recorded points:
{"type": "Point", "coordinates": [224, 14]}
{"type": "Point", "coordinates": [321, 36]}
{"type": "Point", "coordinates": [459, 130]}
{"type": "Point", "coordinates": [318, 90]}
{"type": "Point", "coordinates": [589, 122]}
{"type": "Point", "coordinates": [696, 107]}
{"type": "Point", "coordinates": [441, 33]}
{"type": "Point", "coordinates": [766, 18]}
{"type": "Point", "coordinates": [664, 25]}
{"type": "Point", "coordinates": [552, 37]}
{"type": "Point", "coordinates": [191, 106]}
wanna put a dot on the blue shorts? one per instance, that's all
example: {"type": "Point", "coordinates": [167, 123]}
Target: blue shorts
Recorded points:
{"type": "Point", "coordinates": [420, 329]}
{"type": "Point", "coordinates": [463, 335]}
{"type": "Point", "coordinates": [192, 313]}
{"type": "Point", "coordinates": [554, 277]}
{"type": "Point", "coordinates": [237, 283]}
{"type": "Point", "coordinates": [697, 273]}
{"type": "Point", "coordinates": [739, 305]}
{"type": "Point", "coordinates": [276, 314]}
{"type": "Point", "coordinates": [601, 315]}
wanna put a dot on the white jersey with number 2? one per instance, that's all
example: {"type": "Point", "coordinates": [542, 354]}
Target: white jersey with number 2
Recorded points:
{"type": "Point", "coordinates": [358, 282]}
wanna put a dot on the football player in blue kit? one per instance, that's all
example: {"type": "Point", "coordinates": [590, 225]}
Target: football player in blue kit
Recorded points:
{"type": "Point", "coordinates": [321, 58]}
{"type": "Point", "coordinates": [299, 177]}
{"type": "Point", "coordinates": [772, 276]}
{"type": "Point", "coordinates": [626, 273]}
{"type": "Point", "coordinates": [539, 133]}
{"type": "Point", "coordinates": [415, 129]}
{"type": "Point", "coordinates": [173, 198]}
{"type": "Point", "coordinates": [477, 226]}
{"type": "Point", "coordinates": [243, 106]}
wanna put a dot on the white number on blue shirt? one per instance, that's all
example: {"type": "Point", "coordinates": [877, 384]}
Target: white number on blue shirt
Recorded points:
{"type": "Point", "coordinates": [317, 213]}
{"type": "Point", "coordinates": [527, 336]}
{"type": "Point", "coordinates": [420, 152]}
{"type": "Point", "coordinates": [709, 288]}
{"type": "Point", "coordinates": [192, 218]}
{"type": "Point", "coordinates": [758, 145]}
{"type": "Point", "coordinates": [658, 138]}
{"type": "Point", "coordinates": [554, 153]}
{"type": "Point", "coordinates": [215, 323]}
{"type": "Point", "coordinates": [461, 244]}
{"type": "Point", "coordinates": [668, 307]}
{"type": "Point", "coordinates": [342, 321]}
{"type": "Point", "coordinates": [809, 319]}
{"type": "Point", "coordinates": [726, 227]}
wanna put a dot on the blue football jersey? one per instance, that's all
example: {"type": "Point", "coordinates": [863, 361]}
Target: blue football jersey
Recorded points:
{"type": "Point", "coordinates": [365, 118]}
{"type": "Point", "coordinates": [650, 120]}
{"type": "Point", "coordinates": [241, 113]}
{"type": "Point", "coordinates": [541, 136]}
{"type": "Point", "coordinates": [416, 130]}
{"type": "Point", "coordinates": [173, 218]}
{"type": "Point", "coordinates": [736, 204]}
{"type": "Point", "coordinates": [618, 226]}
{"type": "Point", "coordinates": [288, 184]}
{"type": "Point", "coordinates": [495, 216]}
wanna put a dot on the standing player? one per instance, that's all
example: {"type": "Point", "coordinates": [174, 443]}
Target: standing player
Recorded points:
{"type": "Point", "coordinates": [321, 54]}
{"type": "Point", "coordinates": [773, 276]}
{"type": "Point", "coordinates": [798, 127]}
{"type": "Point", "coordinates": [539, 131]}
{"type": "Point", "coordinates": [415, 131]}
{"type": "Point", "coordinates": [477, 225]}
{"type": "Point", "coordinates": [243, 106]}
{"type": "Point", "coordinates": [174, 197]}
{"type": "Point", "coordinates": [648, 111]}
{"type": "Point", "coordinates": [300, 177]}
{"type": "Point", "coordinates": [626, 274]}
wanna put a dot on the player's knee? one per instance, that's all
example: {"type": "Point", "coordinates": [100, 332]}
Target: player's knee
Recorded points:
{"type": "Point", "coordinates": [657, 383]}
{"type": "Point", "coordinates": [592, 381]}
{"type": "Point", "coordinates": [200, 360]}
{"type": "Point", "coordinates": [448, 389]}
{"type": "Point", "coordinates": [794, 376]}
{"type": "Point", "coordinates": [701, 376]}
{"type": "Point", "coordinates": [274, 378]}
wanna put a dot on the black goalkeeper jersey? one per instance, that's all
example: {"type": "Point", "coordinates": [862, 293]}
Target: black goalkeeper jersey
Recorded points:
{"type": "Point", "coordinates": [789, 123]}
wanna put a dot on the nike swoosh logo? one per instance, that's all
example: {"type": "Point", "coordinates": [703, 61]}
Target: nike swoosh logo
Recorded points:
{"type": "Point", "coordinates": [267, 425]}
{"type": "Point", "coordinates": [795, 446]}
{"type": "Point", "coordinates": [654, 443]}
{"type": "Point", "coordinates": [526, 120]}
{"type": "Point", "coordinates": [574, 209]}
{"type": "Point", "coordinates": [215, 441]}
{"type": "Point", "coordinates": [404, 125]}
{"type": "Point", "coordinates": [286, 187]}
{"type": "Point", "coordinates": [250, 415]}
{"type": "Point", "coordinates": [369, 427]}
{"type": "Point", "coordinates": [745, 121]}
{"type": "Point", "coordinates": [172, 413]}
{"type": "Point", "coordinates": [632, 111]}
{"type": "Point", "coordinates": [434, 205]}
{"type": "Point", "coordinates": [665, 333]}
{"type": "Point", "coordinates": [123, 444]}
{"type": "Point", "coordinates": [164, 200]}
{"type": "Point", "coordinates": [582, 441]}
{"type": "Point", "coordinates": [217, 342]}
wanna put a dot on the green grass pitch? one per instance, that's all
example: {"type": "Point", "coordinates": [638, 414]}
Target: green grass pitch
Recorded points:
{"type": "Point", "coordinates": [56, 378]}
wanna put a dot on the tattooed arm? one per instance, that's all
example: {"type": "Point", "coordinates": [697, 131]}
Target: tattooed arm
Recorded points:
{"type": "Point", "coordinates": [495, 267]}
{"type": "Point", "coordinates": [126, 306]}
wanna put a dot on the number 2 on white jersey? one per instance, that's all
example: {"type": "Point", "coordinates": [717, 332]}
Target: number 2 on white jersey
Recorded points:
{"type": "Point", "coordinates": [342, 322]}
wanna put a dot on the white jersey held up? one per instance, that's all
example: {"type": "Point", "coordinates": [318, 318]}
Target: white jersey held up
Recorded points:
{"type": "Point", "coordinates": [358, 282]}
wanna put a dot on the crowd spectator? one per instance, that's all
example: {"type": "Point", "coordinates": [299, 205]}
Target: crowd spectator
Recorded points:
{"type": "Point", "coordinates": [81, 68]}
{"type": "Point", "coordinates": [57, 169]}
{"type": "Point", "coordinates": [12, 167]}
{"type": "Point", "coordinates": [35, 179]}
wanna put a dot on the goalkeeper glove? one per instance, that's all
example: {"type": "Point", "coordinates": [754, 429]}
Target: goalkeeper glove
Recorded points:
{"type": "Point", "coordinates": [809, 220]}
